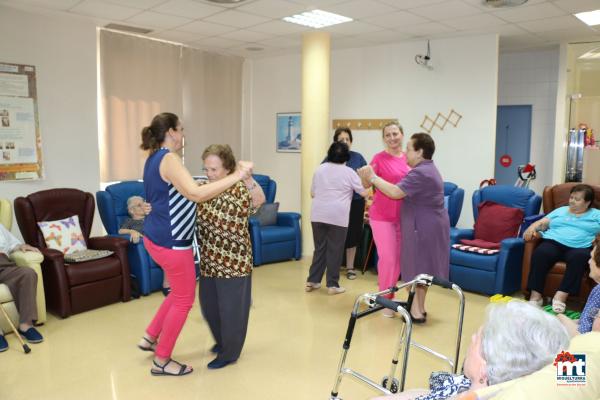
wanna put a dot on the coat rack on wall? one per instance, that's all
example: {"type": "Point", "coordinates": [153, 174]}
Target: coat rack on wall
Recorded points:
{"type": "Point", "coordinates": [362, 124]}
{"type": "Point", "coordinates": [440, 121]}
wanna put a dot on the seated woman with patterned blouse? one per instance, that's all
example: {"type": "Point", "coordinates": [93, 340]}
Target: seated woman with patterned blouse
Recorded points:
{"type": "Point", "coordinates": [226, 256]}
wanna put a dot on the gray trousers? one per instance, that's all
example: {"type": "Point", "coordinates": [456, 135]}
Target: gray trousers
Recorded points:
{"type": "Point", "coordinates": [22, 283]}
{"type": "Point", "coordinates": [329, 247]}
{"type": "Point", "coordinates": [225, 304]}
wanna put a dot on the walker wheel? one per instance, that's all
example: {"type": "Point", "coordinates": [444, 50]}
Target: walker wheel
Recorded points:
{"type": "Point", "coordinates": [394, 387]}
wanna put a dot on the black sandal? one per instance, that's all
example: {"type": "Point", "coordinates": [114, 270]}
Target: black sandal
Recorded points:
{"type": "Point", "coordinates": [182, 370]}
{"type": "Point", "coordinates": [151, 347]}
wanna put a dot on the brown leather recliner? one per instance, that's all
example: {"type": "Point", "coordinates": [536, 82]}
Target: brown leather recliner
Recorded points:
{"type": "Point", "coordinates": [554, 197]}
{"type": "Point", "coordinates": [77, 287]}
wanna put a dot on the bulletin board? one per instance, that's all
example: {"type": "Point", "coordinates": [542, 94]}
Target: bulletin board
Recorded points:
{"type": "Point", "coordinates": [20, 140]}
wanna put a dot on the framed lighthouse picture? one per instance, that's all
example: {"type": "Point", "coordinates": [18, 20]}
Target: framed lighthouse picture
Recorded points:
{"type": "Point", "coordinates": [289, 137]}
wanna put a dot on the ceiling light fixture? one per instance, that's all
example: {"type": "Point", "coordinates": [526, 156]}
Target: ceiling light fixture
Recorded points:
{"type": "Point", "coordinates": [317, 19]}
{"type": "Point", "coordinates": [590, 17]}
{"type": "Point", "coordinates": [503, 3]}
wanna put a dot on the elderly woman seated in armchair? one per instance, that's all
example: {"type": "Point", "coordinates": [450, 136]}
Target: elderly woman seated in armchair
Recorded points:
{"type": "Point", "coordinates": [516, 339]}
{"type": "Point", "coordinates": [567, 234]}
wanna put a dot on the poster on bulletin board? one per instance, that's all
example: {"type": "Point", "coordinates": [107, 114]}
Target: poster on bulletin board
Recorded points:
{"type": "Point", "coordinates": [20, 140]}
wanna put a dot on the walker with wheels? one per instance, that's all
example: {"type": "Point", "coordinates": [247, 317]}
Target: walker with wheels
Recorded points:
{"type": "Point", "coordinates": [376, 302]}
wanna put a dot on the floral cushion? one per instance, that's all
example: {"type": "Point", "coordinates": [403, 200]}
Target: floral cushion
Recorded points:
{"type": "Point", "coordinates": [63, 235]}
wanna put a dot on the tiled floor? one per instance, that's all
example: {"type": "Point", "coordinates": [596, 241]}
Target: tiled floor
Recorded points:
{"type": "Point", "coordinates": [292, 349]}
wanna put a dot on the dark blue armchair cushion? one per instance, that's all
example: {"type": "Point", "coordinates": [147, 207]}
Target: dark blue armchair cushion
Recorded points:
{"type": "Point", "coordinates": [267, 214]}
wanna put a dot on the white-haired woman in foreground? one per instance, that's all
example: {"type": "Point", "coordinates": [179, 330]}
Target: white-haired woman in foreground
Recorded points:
{"type": "Point", "coordinates": [515, 340]}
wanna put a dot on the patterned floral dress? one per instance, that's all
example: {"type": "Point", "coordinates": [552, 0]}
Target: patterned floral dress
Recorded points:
{"type": "Point", "coordinates": [223, 235]}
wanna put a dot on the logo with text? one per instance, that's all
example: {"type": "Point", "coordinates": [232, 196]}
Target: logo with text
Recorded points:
{"type": "Point", "coordinates": [570, 369]}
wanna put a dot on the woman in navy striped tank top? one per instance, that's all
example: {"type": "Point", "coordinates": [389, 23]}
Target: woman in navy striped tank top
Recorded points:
{"type": "Point", "coordinates": [168, 233]}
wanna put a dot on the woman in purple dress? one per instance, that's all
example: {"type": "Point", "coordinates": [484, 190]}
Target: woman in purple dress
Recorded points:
{"type": "Point", "coordinates": [425, 223]}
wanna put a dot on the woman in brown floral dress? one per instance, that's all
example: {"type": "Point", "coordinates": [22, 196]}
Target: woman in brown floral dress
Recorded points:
{"type": "Point", "coordinates": [226, 256]}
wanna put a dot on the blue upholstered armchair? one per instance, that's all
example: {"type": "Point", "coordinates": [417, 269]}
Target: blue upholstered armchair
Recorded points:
{"type": "Point", "coordinates": [501, 272]}
{"type": "Point", "coordinates": [453, 199]}
{"type": "Point", "coordinates": [279, 242]}
{"type": "Point", "coordinates": [112, 206]}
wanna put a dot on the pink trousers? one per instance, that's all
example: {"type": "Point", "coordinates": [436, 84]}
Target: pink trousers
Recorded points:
{"type": "Point", "coordinates": [388, 239]}
{"type": "Point", "coordinates": [170, 318]}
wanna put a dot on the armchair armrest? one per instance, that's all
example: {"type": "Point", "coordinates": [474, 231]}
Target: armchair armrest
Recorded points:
{"type": "Point", "coordinates": [530, 246]}
{"type": "Point", "coordinates": [457, 234]}
{"type": "Point", "coordinates": [511, 243]}
{"type": "Point", "coordinates": [56, 284]}
{"type": "Point", "coordinates": [26, 258]}
{"type": "Point", "coordinates": [112, 243]}
{"type": "Point", "coordinates": [288, 219]}
{"type": "Point", "coordinates": [527, 221]}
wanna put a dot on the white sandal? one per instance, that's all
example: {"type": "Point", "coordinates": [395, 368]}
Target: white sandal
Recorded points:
{"type": "Point", "coordinates": [558, 306]}
{"type": "Point", "coordinates": [537, 303]}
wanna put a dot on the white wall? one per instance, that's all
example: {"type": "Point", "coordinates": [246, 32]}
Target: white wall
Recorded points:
{"type": "Point", "coordinates": [64, 54]}
{"type": "Point", "coordinates": [531, 78]}
{"type": "Point", "coordinates": [382, 82]}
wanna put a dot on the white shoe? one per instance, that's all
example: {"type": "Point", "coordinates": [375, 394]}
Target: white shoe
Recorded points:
{"type": "Point", "coordinates": [310, 286]}
{"type": "Point", "coordinates": [335, 290]}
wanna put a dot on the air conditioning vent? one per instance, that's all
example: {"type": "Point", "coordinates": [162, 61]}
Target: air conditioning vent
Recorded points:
{"type": "Point", "coordinates": [503, 3]}
{"type": "Point", "coordinates": [127, 28]}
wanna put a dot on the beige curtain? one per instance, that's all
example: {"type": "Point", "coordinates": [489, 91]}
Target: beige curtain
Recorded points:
{"type": "Point", "coordinates": [140, 78]}
{"type": "Point", "coordinates": [212, 103]}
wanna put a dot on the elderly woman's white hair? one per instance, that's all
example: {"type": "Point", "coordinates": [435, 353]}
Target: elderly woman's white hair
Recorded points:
{"type": "Point", "coordinates": [518, 339]}
{"type": "Point", "coordinates": [133, 199]}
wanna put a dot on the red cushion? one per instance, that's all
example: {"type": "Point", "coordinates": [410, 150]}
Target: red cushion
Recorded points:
{"type": "Point", "coordinates": [481, 243]}
{"type": "Point", "coordinates": [497, 222]}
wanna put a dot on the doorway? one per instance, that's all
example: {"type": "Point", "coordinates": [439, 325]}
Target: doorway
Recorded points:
{"type": "Point", "coordinates": [513, 141]}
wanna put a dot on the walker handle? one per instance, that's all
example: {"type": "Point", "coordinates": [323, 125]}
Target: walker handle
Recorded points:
{"type": "Point", "coordinates": [441, 282]}
{"type": "Point", "coordinates": [387, 303]}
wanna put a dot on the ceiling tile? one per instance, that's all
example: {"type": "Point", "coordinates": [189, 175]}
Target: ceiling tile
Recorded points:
{"type": "Point", "coordinates": [104, 10]}
{"type": "Point", "coordinates": [280, 28]}
{"type": "Point", "coordinates": [236, 18]}
{"type": "Point", "coordinates": [312, 4]}
{"type": "Point", "coordinates": [527, 13]}
{"type": "Point", "coordinates": [273, 8]}
{"type": "Point", "coordinates": [431, 28]}
{"type": "Point", "coordinates": [187, 8]}
{"type": "Point", "coordinates": [572, 34]}
{"type": "Point", "coordinates": [51, 4]}
{"type": "Point", "coordinates": [218, 41]}
{"type": "Point", "coordinates": [552, 24]}
{"type": "Point", "coordinates": [446, 10]}
{"type": "Point", "coordinates": [350, 42]}
{"type": "Point", "coordinates": [407, 4]}
{"type": "Point", "coordinates": [385, 36]}
{"type": "Point", "coordinates": [352, 28]}
{"type": "Point", "coordinates": [177, 36]}
{"type": "Point", "coordinates": [246, 36]}
{"type": "Point", "coordinates": [157, 20]}
{"type": "Point", "coordinates": [475, 22]}
{"type": "Point", "coordinates": [396, 19]}
{"type": "Point", "coordinates": [205, 28]}
{"type": "Point", "coordinates": [141, 4]}
{"type": "Point", "coordinates": [360, 9]}
{"type": "Point", "coordinates": [509, 30]}
{"type": "Point", "coordinates": [576, 6]}
{"type": "Point", "coordinates": [283, 41]}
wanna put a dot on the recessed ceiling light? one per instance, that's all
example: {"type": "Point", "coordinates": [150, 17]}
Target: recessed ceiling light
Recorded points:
{"type": "Point", "coordinates": [589, 17]}
{"type": "Point", "coordinates": [317, 19]}
{"type": "Point", "coordinates": [593, 54]}
{"type": "Point", "coordinates": [503, 3]}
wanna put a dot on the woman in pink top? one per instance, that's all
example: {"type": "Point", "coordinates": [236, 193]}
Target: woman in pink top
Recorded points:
{"type": "Point", "coordinates": [384, 213]}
